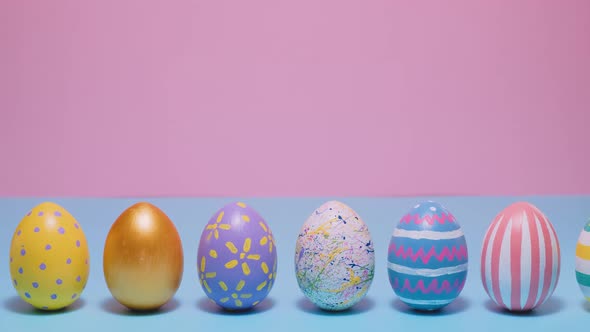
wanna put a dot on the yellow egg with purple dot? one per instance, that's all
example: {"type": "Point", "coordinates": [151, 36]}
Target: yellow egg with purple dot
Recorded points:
{"type": "Point", "coordinates": [49, 258]}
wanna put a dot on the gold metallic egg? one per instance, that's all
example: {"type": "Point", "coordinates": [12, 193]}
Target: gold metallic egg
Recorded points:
{"type": "Point", "coordinates": [143, 259]}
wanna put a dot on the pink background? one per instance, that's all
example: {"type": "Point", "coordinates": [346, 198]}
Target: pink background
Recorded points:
{"type": "Point", "coordinates": [306, 97]}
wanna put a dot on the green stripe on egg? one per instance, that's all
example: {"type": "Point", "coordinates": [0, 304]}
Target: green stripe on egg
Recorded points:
{"type": "Point", "coordinates": [583, 279]}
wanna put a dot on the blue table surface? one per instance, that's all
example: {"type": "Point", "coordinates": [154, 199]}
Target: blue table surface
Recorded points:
{"type": "Point", "coordinates": [286, 309]}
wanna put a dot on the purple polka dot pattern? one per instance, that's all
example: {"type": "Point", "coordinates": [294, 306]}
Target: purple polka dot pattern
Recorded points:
{"type": "Point", "coordinates": [47, 258]}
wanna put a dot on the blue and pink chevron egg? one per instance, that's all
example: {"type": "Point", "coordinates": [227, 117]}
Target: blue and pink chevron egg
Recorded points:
{"type": "Point", "coordinates": [427, 257]}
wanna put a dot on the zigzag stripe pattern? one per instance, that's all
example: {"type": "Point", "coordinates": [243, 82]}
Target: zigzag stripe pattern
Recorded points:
{"type": "Point", "coordinates": [448, 254]}
{"type": "Point", "coordinates": [429, 219]}
{"type": "Point", "coordinates": [434, 287]}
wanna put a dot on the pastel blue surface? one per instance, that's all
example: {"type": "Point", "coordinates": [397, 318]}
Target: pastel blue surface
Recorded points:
{"type": "Point", "coordinates": [286, 309]}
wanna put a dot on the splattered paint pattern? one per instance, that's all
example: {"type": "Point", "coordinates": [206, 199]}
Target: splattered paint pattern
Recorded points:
{"type": "Point", "coordinates": [334, 257]}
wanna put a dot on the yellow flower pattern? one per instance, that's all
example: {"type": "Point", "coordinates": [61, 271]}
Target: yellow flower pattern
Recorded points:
{"type": "Point", "coordinates": [243, 256]}
{"type": "Point", "coordinates": [267, 238]}
{"type": "Point", "coordinates": [214, 228]}
{"type": "Point", "coordinates": [245, 217]}
{"type": "Point", "coordinates": [237, 257]}
{"type": "Point", "coordinates": [234, 296]}
{"type": "Point", "coordinates": [207, 275]}
{"type": "Point", "coordinates": [270, 274]}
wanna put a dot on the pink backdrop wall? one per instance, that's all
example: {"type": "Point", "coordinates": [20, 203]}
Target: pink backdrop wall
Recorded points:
{"type": "Point", "coordinates": [305, 97]}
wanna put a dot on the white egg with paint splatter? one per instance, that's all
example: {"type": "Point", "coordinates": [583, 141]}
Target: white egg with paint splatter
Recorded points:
{"type": "Point", "coordinates": [334, 257]}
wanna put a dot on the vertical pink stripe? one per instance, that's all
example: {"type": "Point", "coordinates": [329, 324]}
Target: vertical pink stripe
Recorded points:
{"type": "Point", "coordinates": [484, 252]}
{"type": "Point", "coordinates": [496, 249]}
{"type": "Point", "coordinates": [557, 248]}
{"type": "Point", "coordinates": [548, 257]}
{"type": "Point", "coordinates": [535, 260]}
{"type": "Point", "coordinates": [515, 256]}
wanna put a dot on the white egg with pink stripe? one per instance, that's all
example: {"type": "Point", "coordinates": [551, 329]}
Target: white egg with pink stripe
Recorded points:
{"type": "Point", "coordinates": [520, 259]}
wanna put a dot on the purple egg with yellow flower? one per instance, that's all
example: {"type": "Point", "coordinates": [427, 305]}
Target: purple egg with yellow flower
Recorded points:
{"type": "Point", "coordinates": [237, 257]}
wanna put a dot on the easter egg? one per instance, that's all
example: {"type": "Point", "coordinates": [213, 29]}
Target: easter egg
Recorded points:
{"type": "Point", "coordinates": [237, 257]}
{"type": "Point", "coordinates": [583, 261]}
{"type": "Point", "coordinates": [49, 258]}
{"type": "Point", "coordinates": [334, 257]}
{"type": "Point", "coordinates": [520, 258]}
{"type": "Point", "coordinates": [427, 257]}
{"type": "Point", "coordinates": [143, 258]}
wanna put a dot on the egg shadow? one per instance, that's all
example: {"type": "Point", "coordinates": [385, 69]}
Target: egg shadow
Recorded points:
{"type": "Point", "coordinates": [307, 306]}
{"type": "Point", "coordinates": [585, 305]}
{"type": "Point", "coordinates": [552, 306]}
{"type": "Point", "coordinates": [459, 305]}
{"type": "Point", "coordinates": [206, 305]}
{"type": "Point", "coordinates": [111, 305]}
{"type": "Point", "coordinates": [16, 305]}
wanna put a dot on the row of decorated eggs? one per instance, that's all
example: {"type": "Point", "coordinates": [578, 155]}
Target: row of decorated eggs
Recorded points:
{"type": "Point", "coordinates": [334, 258]}
{"type": "Point", "coordinates": [143, 258]}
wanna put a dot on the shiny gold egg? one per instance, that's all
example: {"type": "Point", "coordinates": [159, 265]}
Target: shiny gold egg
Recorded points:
{"type": "Point", "coordinates": [143, 258]}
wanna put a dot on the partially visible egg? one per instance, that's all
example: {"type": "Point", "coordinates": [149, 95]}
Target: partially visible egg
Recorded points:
{"type": "Point", "coordinates": [427, 257]}
{"type": "Point", "coordinates": [334, 257]}
{"type": "Point", "coordinates": [49, 258]}
{"type": "Point", "coordinates": [583, 261]}
{"type": "Point", "coordinates": [520, 258]}
{"type": "Point", "coordinates": [237, 257]}
{"type": "Point", "coordinates": [143, 258]}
